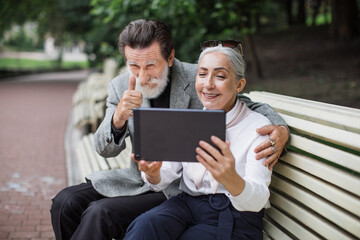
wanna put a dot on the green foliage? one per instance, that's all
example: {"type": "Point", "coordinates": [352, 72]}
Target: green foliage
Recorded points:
{"type": "Point", "coordinates": [191, 21]}
{"type": "Point", "coordinates": [19, 12]}
{"type": "Point", "coordinates": [20, 41]}
{"type": "Point", "coordinates": [99, 22]}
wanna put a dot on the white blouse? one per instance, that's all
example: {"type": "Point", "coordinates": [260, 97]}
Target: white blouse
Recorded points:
{"type": "Point", "coordinates": [241, 125]}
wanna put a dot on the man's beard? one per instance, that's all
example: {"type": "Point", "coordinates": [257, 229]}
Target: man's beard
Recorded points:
{"type": "Point", "coordinates": [153, 92]}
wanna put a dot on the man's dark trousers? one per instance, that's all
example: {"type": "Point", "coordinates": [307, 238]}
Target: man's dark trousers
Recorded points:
{"type": "Point", "coordinates": [79, 212]}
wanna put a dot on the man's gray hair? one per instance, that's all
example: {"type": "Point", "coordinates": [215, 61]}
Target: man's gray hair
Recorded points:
{"type": "Point", "coordinates": [237, 62]}
{"type": "Point", "coordinates": [142, 33]}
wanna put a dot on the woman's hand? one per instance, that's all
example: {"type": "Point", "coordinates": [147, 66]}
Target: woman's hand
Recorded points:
{"type": "Point", "coordinates": [151, 169]}
{"type": "Point", "coordinates": [220, 164]}
{"type": "Point", "coordinates": [271, 149]}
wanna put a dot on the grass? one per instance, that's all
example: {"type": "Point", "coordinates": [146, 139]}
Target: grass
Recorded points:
{"type": "Point", "coordinates": [29, 64]}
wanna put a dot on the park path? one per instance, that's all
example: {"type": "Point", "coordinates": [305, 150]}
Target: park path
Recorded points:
{"type": "Point", "coordinates": [33, 118]}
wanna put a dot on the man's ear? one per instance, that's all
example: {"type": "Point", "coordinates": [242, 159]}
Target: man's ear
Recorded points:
{"type": "Point", "coordinates": [240, 85]}
{"type": "Point", "coordinates": [171, 58]}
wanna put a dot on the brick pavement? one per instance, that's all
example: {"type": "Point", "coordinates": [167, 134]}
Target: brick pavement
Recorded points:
{"type": "Point", "coordinates": [33, 118]}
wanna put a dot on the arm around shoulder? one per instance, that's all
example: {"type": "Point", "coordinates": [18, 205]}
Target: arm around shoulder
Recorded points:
{"type": "Point", "coordinates": [263, 109]}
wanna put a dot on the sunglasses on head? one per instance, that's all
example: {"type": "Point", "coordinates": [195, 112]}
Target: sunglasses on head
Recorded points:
{"type": "Point", "coordinates": [233, 44]}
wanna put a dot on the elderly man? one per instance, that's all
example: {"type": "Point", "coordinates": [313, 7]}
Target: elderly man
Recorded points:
{"type": "Point", "coordinates": [103, 207]}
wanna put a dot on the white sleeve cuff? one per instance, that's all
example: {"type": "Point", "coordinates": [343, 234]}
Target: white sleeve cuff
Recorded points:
{"type": "Point", "coordinates": [155, 187]}
{"type": "Point", "coordinates": [239, 199]}
{"type": "Point", "coordinates": [253, 198]}
{"type": "Point", "coordinates": [167, 177]}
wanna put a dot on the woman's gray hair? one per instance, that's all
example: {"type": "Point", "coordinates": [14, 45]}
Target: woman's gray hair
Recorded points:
{"type": "Point", "coordinates": [237, 62]}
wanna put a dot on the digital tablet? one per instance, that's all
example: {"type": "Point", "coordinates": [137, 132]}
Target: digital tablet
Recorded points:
{"type": "Point", "coordinates": [163, 134]}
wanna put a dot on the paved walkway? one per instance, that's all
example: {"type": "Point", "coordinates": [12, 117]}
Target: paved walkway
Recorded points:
{"type": "Point", "coordinates": [33, 117]}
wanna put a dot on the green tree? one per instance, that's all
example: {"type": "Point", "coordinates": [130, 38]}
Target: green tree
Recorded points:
{"type": "Point", "coordinates": [191, 21]}
{"type": "Point", "coordinates": [18, 12]}
{"type": "Point", "coordinates": [65, 20]}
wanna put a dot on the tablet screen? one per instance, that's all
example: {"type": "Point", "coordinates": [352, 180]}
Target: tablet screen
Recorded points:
{"type": "Point", "coordinates": [162, 134]}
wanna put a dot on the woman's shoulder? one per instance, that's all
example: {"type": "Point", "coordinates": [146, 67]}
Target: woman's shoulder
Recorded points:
{"type": "Point", "coordinates": [257, 119]}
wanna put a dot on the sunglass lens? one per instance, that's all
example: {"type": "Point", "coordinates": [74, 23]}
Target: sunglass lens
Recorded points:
{"type": "Point", "coordinates": [230, 43]}
{"type": "Point", "coordinates": [207, 44]}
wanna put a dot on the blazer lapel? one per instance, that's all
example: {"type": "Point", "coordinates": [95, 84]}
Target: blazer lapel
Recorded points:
{"type": "Point", "coordinates": [179, 96]}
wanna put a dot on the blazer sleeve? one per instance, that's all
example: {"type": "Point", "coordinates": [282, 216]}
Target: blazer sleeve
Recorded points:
{"type": "Point", "coordinates": [267, 111]}
{"type": "Point", "coordinates": [104, 139]}
{"type": "Point", "coordinates": [264, 109]}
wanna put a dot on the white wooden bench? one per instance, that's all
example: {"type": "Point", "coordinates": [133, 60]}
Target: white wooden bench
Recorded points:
{"type": "Point", "coordinates": [315, 188]}
{"type": "Point", "coordinates": [90, 161]}
{"type": "Point", "coordinates": [89, 99]}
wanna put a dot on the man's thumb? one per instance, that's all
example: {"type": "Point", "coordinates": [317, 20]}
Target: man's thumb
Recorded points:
{"type": "Point", "coordinates": [132, 82]}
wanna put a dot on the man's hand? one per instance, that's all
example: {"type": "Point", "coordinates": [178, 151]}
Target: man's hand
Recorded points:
{"type": "Point", "coordinates": [151, 169]}
{"type": "Point", "coordinates": [131, 99]}
{"type": "Point", "coordinates": [279, 135]}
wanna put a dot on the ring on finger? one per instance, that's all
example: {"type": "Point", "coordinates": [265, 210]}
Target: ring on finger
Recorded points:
{"type": "Point", "coordinates": [274, 149]}
{"type": "Point", "coordinates": [272, 142]}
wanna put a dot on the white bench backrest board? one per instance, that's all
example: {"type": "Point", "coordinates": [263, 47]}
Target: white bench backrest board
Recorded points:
{"type": "Point", "coordinates": [90, 161]}
{"type": "Point", "coordinates": [328, 114]}
{"type": "Point", "coordinates": [315, 188]}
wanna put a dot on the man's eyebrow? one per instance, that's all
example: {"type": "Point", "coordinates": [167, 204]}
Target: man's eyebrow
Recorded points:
{"type": "Point", "coordinates": [150, 62]}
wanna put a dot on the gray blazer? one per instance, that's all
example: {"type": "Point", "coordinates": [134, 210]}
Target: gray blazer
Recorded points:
{"type": "Point", "coordinates": [128, 182]}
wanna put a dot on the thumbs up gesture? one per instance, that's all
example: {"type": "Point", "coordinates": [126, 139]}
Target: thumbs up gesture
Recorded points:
{"type": "Point", "coordinates": [131, 99]}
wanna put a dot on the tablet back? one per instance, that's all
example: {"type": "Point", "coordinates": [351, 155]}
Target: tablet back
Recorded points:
{"type": "Point", "coordinates": [162, 134]}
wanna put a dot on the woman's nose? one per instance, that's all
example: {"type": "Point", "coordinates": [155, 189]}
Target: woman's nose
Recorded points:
{"type": "Point", "coordinates": [209, 83]}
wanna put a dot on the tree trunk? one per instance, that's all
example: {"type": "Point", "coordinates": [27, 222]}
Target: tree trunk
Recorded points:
{"type": "Point", "coordinates": [316, 6]}
{"type": "Point", "coordinates": [301, 12]}
{"type": "Point", "coordinates": [344, 25]}
{"type": "Point", "coordinates": [288, 6]}
{"type": "Point", "coordinates": [254, 57]}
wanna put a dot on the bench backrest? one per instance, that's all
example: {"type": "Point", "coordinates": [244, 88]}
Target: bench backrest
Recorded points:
{"type": "Point", "coordinates": [315, 188]}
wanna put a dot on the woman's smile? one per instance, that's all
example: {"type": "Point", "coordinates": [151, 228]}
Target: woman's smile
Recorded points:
{"type": "Point", "coordinates": [210, 95]}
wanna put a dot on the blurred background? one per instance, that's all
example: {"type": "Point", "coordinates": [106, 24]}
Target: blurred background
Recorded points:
{"type": "Point", "coordinates": [302, 48]}
{"type": "Point", "coordinates": [57, 56]}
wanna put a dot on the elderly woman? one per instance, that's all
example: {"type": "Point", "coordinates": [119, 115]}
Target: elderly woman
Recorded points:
{"type": "Point", "coordinates": [225, 193]}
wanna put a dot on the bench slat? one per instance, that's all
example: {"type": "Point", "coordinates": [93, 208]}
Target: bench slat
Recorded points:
{"type": "Point", "coordinates": [91, 157]}
{"type": "Point", "coordinates": [84, 165]}
{"type": "Point", "coordinates": [329, 134]}
{"type": "Point", "coordinates": [321, 106]}
{"type": "Point", "coordinates": [325, 114]}
{"type": "Point", "coordinates": [342, 158]}
{"type": "Point", "coordinates": [317, 224]}
{"type": "Point", "coordinates": [266, 237]}
{"type": "Point", "coordinates": [337, 196]}
{"type": "Point", "coordinates": [113, 163]}
{"type": "Point", "coordinates": [341, 218]}
{"type": "Point", "coordinates": [100, 160]}
{"type": "Point", "coordinates": [123, 159]}
{"type": "Point", "coordinates": [324, 171]}
{"type": "Point", "coordinates": [273, 231]}
{"type": "Point", "coordinates": [290, 225]}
